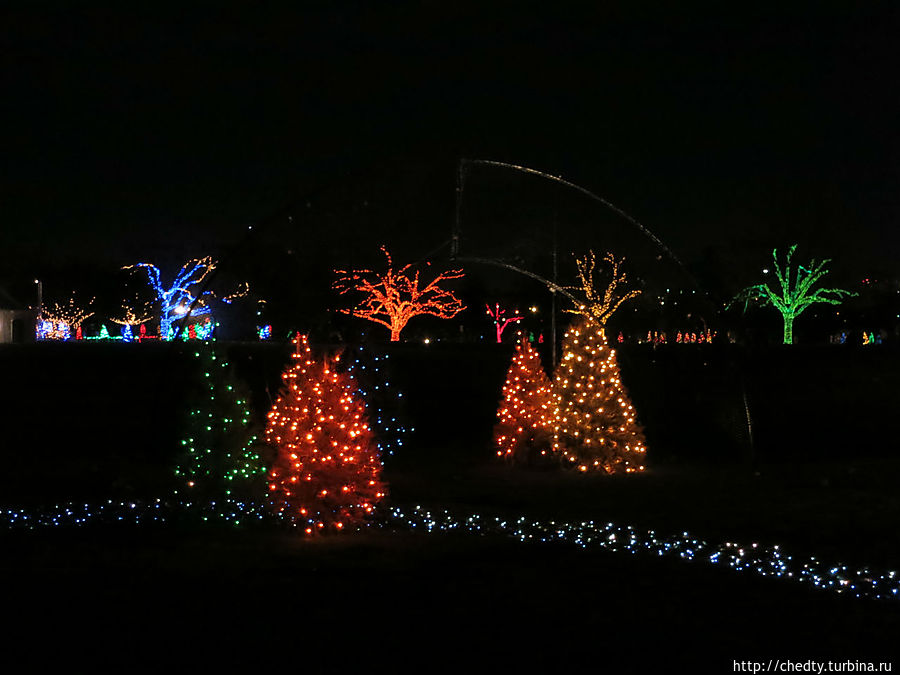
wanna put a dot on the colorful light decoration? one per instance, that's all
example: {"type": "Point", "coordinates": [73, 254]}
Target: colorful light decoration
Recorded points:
{"type": "Point", "coordinates": [522, 433]}
{"type": "Point", "coordinates": [133, 316]}
{"type": "Point", "coordinates": [58, 321]}
{"type": "Point", "coordinates": [220, 454]}
{"type": "Point", "coordinates": [176, 300]}
{"type": "Point", "coordinates": [393, 298]}
{"type": "Point", "coordinates": [795, 294]}
{"type": "Point", "coordinates": [265, 332]}
{"type": "Point", "coordinates": [500, 322]}
{"type": "Point", "coordinates": [593, 420]}
{"type": "Point", "coordinates": [595, 307]}
{"type": "Point", "coordinates": [327, 472]}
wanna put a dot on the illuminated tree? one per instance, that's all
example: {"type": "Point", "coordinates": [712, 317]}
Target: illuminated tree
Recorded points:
{"type": "Point", "coordinates": [500, 321]}
{"type": "Point", "coordinates": [522, 433]}
{"type": "Point", "coordinates": [596, 305]}
{"type": "Point", "coordinates": [794, 294]}
{"type": "Point", "coordinates": [593, 420]}
{"type": "Point", "coordinates": [60, 320]}
{"type": "Point", "coordinates": [132, 316]}
{"type": "Point", "coordinates": [176, 300]}
{"type": "Point", "coordinates": [327, 470]}
{"type": "Point", "coordinates": [221, 455]}
{"type": "Point", "coordinates": [394, 297]}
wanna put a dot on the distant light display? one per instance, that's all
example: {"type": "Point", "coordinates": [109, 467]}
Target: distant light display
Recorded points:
{"type": "Point", "coordinates": [58, 321]}
{"type": "Point", "coordinates": [523, 430]}
{"type": "Point", "coordinates": [327, 470]}
{"type": "Point", "coordinates": [794, 293]}
{"type": "Point", "coordinates": [176, 299]}
{"type": "Point", "coordinates": [500, 320]}
{"type": "Point", "coordinates": [392, 298]}
{"type": "Point", "coordinates": [265, 332]}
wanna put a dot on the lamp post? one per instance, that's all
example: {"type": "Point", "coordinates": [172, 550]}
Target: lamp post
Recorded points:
{"type": "Point", "coordinates": [40, 292]}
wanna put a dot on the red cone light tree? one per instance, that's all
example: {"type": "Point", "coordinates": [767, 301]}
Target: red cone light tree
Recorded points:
{"type": "Point", "coordinates": [521, 433]}
{"type": "Point", "coordinates": [327, 471]}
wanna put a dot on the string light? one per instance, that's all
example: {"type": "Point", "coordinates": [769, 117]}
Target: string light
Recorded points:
{"type": "Point", "coordinates": [327, 470]}
{"type": "Point", "coordinates": [522, 433]}
{"type": "Point", "coordinates": [393, 298]}
{"type": "Point", "coordinates": [771, 561]}
{"type": "Point", "coordinates": [384, 402]}
{"type": "Point", "coordinates": [594, 306]}
{"type": "Point", "coordinates": [58, 321]}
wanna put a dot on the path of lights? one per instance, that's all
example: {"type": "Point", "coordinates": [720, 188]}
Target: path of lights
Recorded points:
{"type": "Point", "coordinates": [764, 561]}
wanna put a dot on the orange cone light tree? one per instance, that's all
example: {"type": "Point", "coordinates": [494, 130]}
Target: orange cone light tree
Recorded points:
{"type": "Point", "coordinates": [394, 297]}
{"type": "Point", "coordinates": [589, 418]}
{"type": "Point", "coordinates": [521, 433]}
{"type": "Point", "coordinates": [327, 471]}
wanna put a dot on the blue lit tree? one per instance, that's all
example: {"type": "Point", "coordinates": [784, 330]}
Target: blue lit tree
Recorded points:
{"type": "Point", "coordinates": [176, 299]}
{"type": "Point", "coordinates": [794, 293]}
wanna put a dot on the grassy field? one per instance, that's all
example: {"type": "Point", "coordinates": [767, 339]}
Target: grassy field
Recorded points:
{"type": "Point", "coordinates": [389, 601]}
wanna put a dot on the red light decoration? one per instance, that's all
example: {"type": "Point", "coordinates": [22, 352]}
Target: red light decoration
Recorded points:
{"type": "Point", "coordinates": [501, 322]}
{"type": "Point", "coordinates": [394, 297]}
{"type": "Point", "coordinates": [327, 472]}
{"type": "Point", "coordinates": [594, 426]}
{"type": "Point", "coordinates": [522, 433]}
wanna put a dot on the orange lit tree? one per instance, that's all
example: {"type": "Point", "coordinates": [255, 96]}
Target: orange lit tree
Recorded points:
{"type": "Point", "coordinates": [598, 305]}
{"type": "Point", "coordinates": [394, 297]}
{"type": "Point", "coordinates": [521, 433]}
{"type": "Point", "coordinates": [327, 471]}
{"type": "Point", "coordinates": [594, 427]}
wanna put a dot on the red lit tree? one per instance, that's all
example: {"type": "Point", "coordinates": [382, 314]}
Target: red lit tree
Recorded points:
{"type": "Point", "coordinates": [327, 471]}
{"type": "Point", "coordinates": [521, 433]}
{"type": "Point", "coordinates": [501, 321]}
{"type": "Point", "coordinates": [394, 297]}
{"type": "Point", "coordinates": [594, 427]}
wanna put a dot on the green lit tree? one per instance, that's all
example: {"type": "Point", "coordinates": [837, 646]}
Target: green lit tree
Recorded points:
{"type": "Point", "coordinates": [221, 455]}
{"type": "Point", "coordinates": [794, 292]}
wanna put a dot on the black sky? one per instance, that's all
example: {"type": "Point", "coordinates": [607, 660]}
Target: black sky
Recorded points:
{"type": "Point", "coordinates": [160, 134]}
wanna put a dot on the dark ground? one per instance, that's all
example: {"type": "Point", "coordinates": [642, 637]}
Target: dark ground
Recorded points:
{"type": "Point", "coordinates": [121, 598]}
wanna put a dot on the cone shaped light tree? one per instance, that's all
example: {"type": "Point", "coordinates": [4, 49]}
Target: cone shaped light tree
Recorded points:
{"type": "Point", "coordinates": [327, 471]}
{"type": "Point", "coordinates": [793, 293]}
{"type": "Point", "coordinates": [521, 433]}
{"type": "Point", "coordinates": [593, 420]}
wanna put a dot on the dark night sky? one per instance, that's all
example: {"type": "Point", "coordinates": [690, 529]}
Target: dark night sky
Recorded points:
{"type": "Point", "coordinates": [160, 134]}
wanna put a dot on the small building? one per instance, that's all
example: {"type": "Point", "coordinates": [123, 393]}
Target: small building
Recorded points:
{"type": "Point", "coordinates": [17, 323]}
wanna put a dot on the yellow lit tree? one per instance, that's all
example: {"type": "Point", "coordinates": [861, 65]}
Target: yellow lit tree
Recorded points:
{"type": "Point", "coordinates": [596, 305]}
{"type": "Point", "coordinates": [394, 297]}
{"type": "Point", "coordinates": [521, 434]}
{"type": "Point", "coordinates": [594, 427]}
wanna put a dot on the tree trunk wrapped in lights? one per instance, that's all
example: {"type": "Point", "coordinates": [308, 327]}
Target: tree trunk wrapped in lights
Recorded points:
{"type": "Point", "coordinates": [522, 434]}
{"type": "Point", "coordinates": [594, 427]}
{"type": "Point", "coordinates": [327, 471]}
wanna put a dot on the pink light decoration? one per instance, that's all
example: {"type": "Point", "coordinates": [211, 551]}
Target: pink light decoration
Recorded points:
{"type": "Point", "coordinates": [500, 323]}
